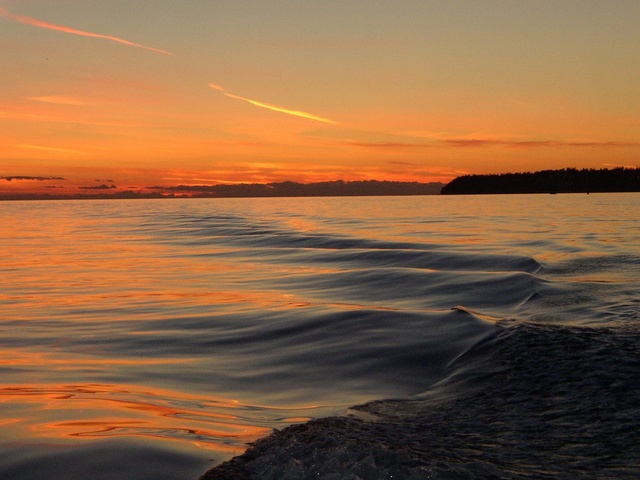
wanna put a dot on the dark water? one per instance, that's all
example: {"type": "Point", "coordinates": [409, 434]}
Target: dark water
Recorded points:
{"type": "Point", "coordinates": [154, 339]}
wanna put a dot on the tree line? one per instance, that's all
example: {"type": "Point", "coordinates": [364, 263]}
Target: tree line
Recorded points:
{"type": "Point", "coordinates": [567, 180]}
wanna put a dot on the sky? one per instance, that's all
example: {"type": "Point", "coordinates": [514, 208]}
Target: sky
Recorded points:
{"type": "Point", "coordinates": [132, 94]}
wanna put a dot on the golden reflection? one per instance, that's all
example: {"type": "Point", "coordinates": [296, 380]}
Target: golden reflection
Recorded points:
{"type": "Point", "coordinates": [16, 357]}
{"type": "Point", "coordinates": [90, 411]}
{"type": "Point", "coordinates": [297, 419]}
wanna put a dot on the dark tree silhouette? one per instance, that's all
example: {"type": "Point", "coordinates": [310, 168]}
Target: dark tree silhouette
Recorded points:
{"type": "Point", "coordinates": [568, 180]}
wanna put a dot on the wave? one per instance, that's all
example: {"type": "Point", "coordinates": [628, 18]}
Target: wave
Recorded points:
{"type": "Point", "coordinates": [319, 353]}
{"type": "Point", "coordinates": [532, 401]}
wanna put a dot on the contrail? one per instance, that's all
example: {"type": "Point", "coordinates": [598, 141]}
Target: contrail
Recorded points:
{"type": "Point", "coordinates": [50, 149]}
{"type": "Point", "coordinates": [60, 100]}
{"type": "Point", "coordinates": [39, 23]}
{"type": "Point", "coordinates": [275, 108]}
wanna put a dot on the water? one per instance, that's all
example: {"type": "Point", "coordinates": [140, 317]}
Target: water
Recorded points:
{"type": "Point", "coordinates": [154, 339]}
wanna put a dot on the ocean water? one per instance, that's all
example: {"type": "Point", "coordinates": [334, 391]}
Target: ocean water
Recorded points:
{"type": "Point", "coordinates": [475, 337]}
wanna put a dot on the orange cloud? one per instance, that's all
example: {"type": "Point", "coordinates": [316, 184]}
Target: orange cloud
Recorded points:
{"type": "Point", "coordinates": [217, 87]}
{"type": "Point", "coordinates": [478, 142]}
{"type": "Point", "coordinates": [41, 24]}
{"type": "Point", "coordinates": [60, 100]}
{"type": "Point", "coordinates": [275, 108]}
{"type": "Point", "coordinates": [483, 142]}
{"type": "Point", "coordinates": [389, 145]}
{"type": "Point", "coordinates": [62, 151]}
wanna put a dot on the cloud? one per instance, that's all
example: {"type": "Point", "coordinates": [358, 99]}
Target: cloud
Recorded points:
{"type": "Point", "coordinates": [275, 108]}
{"type": "Point", "coordinates": [217, 87]}
{"type": "Point", "coordinates": [25, 177]}
{"type": "Point", "coordinates": [615, 165]}
{"type": "Point", "coordinates": [60, 100]}
{"type": "Point", "coordinates": [99, 187]}
{"type": "Point", "coordinates": [51, 149]}
{"type": "Point", "coordinates": [389, 145]}
{"type": "Point", "coordinates": [50, 26]}
{"type": "Point", "coordinates": [478, 142]}
{"type": "Point", "coordinates": [483, 142]}
{"type": "Point", "coordinates": [402, 163]}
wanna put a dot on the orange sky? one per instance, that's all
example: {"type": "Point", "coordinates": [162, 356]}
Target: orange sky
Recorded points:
{"type": "Point", "coordinates": [137, 94]}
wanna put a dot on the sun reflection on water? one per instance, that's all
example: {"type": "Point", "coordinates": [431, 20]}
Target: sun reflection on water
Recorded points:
{"type": "Point", "coordinates": [56, 412]}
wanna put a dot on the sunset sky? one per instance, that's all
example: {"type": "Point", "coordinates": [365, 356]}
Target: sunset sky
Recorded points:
{"type": "Point", "coordinates": [128, 94]}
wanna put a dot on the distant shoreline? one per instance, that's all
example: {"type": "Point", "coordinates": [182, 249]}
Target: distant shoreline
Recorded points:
{"type": "Point", "coordinates": [251, 190]}
{"type": "Point", "coordinates": [568, 180]}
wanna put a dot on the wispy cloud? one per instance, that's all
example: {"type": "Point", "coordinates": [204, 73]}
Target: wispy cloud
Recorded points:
{"type": "Point", "coordinates": [65, 151]}
{"type": "Point", "coordinates": [478, 142]}
{"type": "Point", "coordinates": [30, 178]}
{"type": "Point", "coordinates": [275, 108]}
{"type": "Point", "coordinates": [60, 28]}
{"type": "Point", "coordinates": [60, 100]}
{"type": "Point", "coordinates": [389, 145]}
{"type": "Point", "coordinates": [616, 165]}
{"type": "Point", "coordinates": [486, 143]}
{"type": "Point", "coordinates": [99, 187]}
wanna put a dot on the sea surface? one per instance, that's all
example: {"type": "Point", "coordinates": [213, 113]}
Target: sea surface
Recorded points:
{"type": "Point", "coordinates": [476, 337]}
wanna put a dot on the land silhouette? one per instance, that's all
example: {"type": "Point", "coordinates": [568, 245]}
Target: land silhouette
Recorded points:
{"type": "Point", "coordinates": [281, 189]}
{"type": "Point", "coordinates": [568, 180]}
